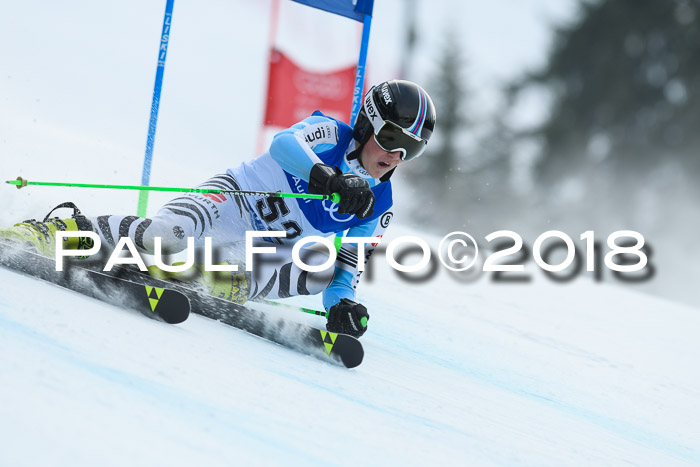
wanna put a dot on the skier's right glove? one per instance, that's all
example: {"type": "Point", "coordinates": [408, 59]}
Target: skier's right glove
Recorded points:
{"type": "Point", "coordinates": [347, 317]}
{"type": "Point", "coordinates": [356, 197]}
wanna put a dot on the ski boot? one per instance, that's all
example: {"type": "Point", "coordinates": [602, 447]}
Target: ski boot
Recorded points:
{"type": "Point", "coordinates": [40, 237]}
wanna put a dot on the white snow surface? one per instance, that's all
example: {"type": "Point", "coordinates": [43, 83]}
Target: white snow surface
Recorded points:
{"type": "Point", "coordinates": [477, 374]}
{"type": "Point", "coordinates": [456, 373]}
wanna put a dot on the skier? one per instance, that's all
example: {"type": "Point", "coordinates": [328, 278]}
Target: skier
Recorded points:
{"type": "Point", "coordinates": [319, 155]}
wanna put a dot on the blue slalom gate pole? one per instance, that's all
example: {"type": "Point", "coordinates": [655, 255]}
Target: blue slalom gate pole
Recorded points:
{"type": "Point", "coordinates": [148, 158]}
{"type": "Point", "coordinates": [361, 63]}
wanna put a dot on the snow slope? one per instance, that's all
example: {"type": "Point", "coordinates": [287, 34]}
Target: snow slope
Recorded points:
{"type": "Point", "coordinates": [481, 374]}
{"type": "Point", "coordinates": [455, 372]}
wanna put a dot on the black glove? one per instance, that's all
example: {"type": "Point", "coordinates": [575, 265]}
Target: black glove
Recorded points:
{"type": "Point", "coordinates": [356, 197]}
{"type": "Point", "coordinates": [347, 317]}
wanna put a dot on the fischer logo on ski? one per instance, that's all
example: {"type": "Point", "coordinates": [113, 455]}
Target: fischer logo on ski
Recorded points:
{"type": "Point", "coordinates": [332, 336]}
{"type": "Point", "coordinates": [151, 298]}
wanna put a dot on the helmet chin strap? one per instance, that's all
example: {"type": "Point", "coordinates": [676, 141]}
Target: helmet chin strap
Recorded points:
{"type": "Point", "coordinates": [356, 155]}
{"type": "Point", "coordinates": [352, 159]}
{"type": "Point", "coordinates": [387, 175]}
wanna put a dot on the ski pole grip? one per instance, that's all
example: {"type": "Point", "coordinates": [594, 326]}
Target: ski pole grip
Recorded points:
{"type": "Point", "coordinates": [335, 197]}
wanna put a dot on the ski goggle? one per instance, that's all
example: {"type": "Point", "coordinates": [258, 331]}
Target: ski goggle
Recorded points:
{"type": "Point", "coordinates": [391, 137]}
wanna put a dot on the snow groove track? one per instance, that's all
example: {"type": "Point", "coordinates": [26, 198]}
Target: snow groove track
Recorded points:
{"type": "Point", "coordinates": [470, 373]}
{"type": "Point", "coordinates": [476, 378]}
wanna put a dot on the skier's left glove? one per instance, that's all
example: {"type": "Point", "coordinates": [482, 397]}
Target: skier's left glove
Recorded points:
{"type": "Point", "coordinates": [347, 317]}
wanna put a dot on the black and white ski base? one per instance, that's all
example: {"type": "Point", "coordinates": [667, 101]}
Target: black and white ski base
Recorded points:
{"type": "Point", "coordinates": [153, 300]}
{"type": "Point", "coordinates": [331, 347]}
{"type": "Point", "coordinates": [172, 301]}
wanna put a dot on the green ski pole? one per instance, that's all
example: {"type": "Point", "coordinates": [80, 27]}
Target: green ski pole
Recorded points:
{"type": "Point", "coordinates": [21, 183]}
{"type": "Point", "coordinates": [294, 307]}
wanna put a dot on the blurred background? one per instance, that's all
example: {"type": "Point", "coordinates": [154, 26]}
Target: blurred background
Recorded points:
{"type": "Point", "coordinates": [573, 115]}
{"type": "Point", "coordinates": [597, 133]}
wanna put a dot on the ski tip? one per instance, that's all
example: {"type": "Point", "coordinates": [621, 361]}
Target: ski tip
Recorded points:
{"type": "Point", "coordinates": [350, 350]}
{"type": "Point", "coordinates": [172, 318]}
{"type": "Point", "coordinates": [174, 307]}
